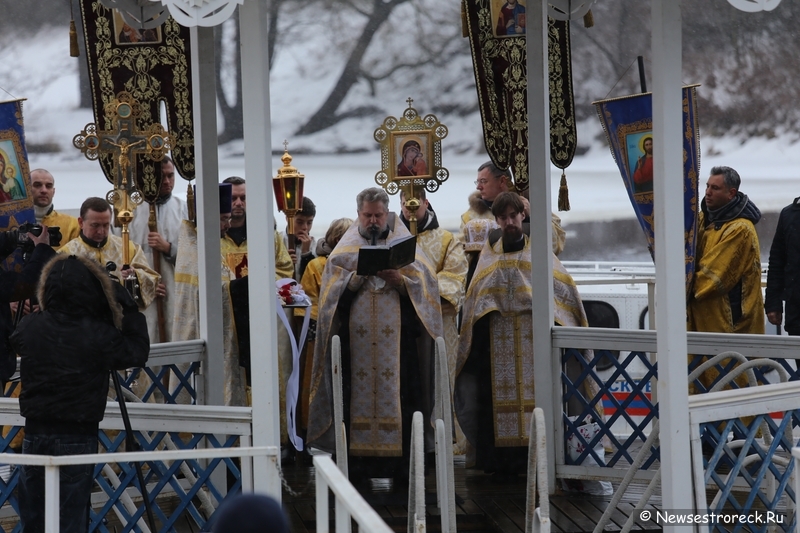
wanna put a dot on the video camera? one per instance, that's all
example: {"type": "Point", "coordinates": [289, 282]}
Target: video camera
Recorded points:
{"type": "Point", "coordinates": [26, 244]}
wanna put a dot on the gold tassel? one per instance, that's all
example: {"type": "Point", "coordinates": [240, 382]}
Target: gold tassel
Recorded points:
{"type": "Point", "coordinates": [73, 40]}
{"type": "Point", "coordinates": [563, 193]}
{"type": "Point", "coordinates": [588, 19]}
{"type": "Point", "coordinates": [464, 27]}
{"type": "Point", "coordinates": [192, 208]}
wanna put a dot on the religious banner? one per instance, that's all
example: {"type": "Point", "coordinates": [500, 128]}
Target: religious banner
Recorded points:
{"type": "Point", "coordinates": [628, 123]}
{"type": "Point", "coordinates": [496, 30]}
{"type": "Point", "coordinates": [16, 198]}
{"type": "Point", "coordinates": [154, 67]}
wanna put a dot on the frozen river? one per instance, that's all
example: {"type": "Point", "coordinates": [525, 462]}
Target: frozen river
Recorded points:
{"type": "Point", "coordinates": [596, 189]}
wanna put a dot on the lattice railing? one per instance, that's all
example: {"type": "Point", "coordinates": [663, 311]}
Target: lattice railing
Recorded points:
{"type": "Point", "coordinates": [188, 487]}
{"type": "Point", "coordinates": [635, 410]}
{"type": "Point", "coordinates": [741, 451]}
{"type": "Point", "coordinates": [617, 408]}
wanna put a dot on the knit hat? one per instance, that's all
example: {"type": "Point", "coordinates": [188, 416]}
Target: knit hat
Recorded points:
{"type": "Point", "coordinates": [250, 513]}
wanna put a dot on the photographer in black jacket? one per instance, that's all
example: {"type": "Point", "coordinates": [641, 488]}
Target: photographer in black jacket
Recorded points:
{"type": "Point", "coordinates": [16, 286]}
{"type": "Point", "coordinates": [87, 325]}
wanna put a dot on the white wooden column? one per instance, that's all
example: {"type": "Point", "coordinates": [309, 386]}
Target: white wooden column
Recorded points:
{"type": "Point", "coordinates": [676, 484]}
{"type": "Point", "coordinates": [260, 244]}
{"type": "Point", "coordinates": [547, 373]}
{"type": "Point", "coordinates": [204, 100]}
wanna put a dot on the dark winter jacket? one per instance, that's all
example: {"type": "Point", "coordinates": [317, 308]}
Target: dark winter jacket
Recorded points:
{"type": "Point", "coordinates": [784, 268]}
{"type": "Point", "coordinates": [16, 286]}
{"type": "Point", "coordinates": [87, 325]}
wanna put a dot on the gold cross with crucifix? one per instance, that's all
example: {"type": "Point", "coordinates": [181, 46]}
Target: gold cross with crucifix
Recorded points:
{"type": "Point", "coordinates": [125, 140]}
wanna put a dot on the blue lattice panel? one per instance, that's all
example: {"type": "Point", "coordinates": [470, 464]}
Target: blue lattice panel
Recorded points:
{"type": "Point", "coordinates": [158, 379]}
{"type": "Point", "coordinates": [738, 450]}
{"type": "Point", "coordinates": [634, 407]}
{"type": "Point", "coordinates": [180, 481]}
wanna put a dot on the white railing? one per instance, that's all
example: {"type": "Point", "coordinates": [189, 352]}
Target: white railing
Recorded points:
{"type": "Point", "coordinates": [416, 478]}
{"type": "Point", "coordinates": [153, 418]}
{"type": "Point", "coordinates": [796, 487]}
{"type": "Point", "coordinates": [537, 518]}
{"type": "Point", "coordinates": [52, 464]}
{"type": "Point", "coordinates": [349, 503]}
{"type": "Point", "coordinates": [443, 416]}
{"type": "Point", "coordinates": [736, 403]}
{"type": "Point", "coordinates": [764, 346]}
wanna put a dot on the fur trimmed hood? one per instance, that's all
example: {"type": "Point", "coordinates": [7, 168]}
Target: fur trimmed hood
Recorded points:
{"type": "Point", "coordinates": [477, 204]}
{"type": "Point", "coordinates": [75, 285]}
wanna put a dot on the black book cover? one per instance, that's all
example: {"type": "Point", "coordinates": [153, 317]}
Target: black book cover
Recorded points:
{"type": "Point", "coordinates": [372, 259]}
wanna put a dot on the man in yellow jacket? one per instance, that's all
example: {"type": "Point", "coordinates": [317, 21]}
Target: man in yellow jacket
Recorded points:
{"type": "Point", "coordinates": [44, 189]}
{"type": "Point", "coordinates": [726, 295]}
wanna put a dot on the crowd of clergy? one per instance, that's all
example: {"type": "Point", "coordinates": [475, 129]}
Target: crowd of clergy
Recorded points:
{"type": "Point", "coordinates": [473, 289]}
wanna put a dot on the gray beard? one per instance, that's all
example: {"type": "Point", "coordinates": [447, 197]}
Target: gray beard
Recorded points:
{"type": "Point", "coordinates": [366, 232]}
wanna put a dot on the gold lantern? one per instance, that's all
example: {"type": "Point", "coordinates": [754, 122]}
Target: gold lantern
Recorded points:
{"type": "Point", "coordinates": [288, 187]}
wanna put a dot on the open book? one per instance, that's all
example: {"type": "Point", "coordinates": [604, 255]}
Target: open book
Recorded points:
{"type": "Point", "coordinates": [372, 259]}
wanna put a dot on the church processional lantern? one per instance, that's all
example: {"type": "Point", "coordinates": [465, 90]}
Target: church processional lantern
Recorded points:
{"type": "Point", "coordinates": [411, 157]}
{"type": "Point", "coordinates": [288, 187]}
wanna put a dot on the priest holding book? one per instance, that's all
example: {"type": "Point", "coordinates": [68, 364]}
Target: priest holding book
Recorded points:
{"type": "Point", "coordinates": [379, 319]}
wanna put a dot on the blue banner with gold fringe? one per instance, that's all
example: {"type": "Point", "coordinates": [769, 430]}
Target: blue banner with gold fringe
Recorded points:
{"type": "Point", "coordinates": [628, 123]}
{"type": "Point", "coordinates": [16, 197]}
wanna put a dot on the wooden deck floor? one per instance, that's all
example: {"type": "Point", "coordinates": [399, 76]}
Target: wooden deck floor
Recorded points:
{"type": "Point", "coordinates": [482, 504]}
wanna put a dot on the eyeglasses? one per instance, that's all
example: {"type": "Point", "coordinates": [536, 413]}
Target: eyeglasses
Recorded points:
{"type": "Point", "coordinates": [482, 181]}
{"type": "Point", "coordinates": [226, 220]}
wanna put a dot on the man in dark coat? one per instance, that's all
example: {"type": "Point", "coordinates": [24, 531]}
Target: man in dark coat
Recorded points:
{"type": "Point", "coordinates": [87, 325]}
{"type": "Point", "coordinates": [784, 267]}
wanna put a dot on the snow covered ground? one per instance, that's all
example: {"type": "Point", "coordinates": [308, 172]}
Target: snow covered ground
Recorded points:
{"type": "Point", "coordinates": [44, 75]}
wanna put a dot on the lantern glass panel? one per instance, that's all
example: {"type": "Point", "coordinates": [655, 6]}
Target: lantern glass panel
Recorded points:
{"type": "Point", "coordinates": [290, 193]}
{"type": "Point", "coordinates": [277, 186]}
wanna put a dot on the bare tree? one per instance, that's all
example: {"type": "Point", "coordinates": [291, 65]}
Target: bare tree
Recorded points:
{"type": "Point", "coordinates": [327, 114]}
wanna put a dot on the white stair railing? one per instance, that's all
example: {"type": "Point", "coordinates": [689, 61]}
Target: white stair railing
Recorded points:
{"type": "Point", "coordinates": [349, 503]}
{"type": "Point", "coordinates": [416, 477]}
{"type": "Point", "coordinates": [537, 519]}
{"type": "Point", "coordinates": [443, 416]}
{"type": "Point", "coordinates": [338, 406]}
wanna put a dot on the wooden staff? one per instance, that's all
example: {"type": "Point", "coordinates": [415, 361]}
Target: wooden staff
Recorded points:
{"type": "Point", "coordinates": [152, 224]}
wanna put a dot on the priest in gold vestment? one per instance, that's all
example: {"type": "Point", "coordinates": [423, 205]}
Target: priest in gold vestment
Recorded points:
{"type": "Point", "coordinates": [379, 320]}
{"type": "Point", "coordinates": [186, 325]}
{"type": "Point", "coordinates": [494, 391]}
{"type": "Point", "coordinates": [97, 243]}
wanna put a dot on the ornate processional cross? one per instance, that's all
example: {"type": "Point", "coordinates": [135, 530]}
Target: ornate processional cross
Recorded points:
{"type": "Point", "coordinates": [124, 140]}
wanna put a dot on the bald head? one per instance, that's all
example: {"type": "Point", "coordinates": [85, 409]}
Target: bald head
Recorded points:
{"type": "Point", "coordinates": [44, 187]}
